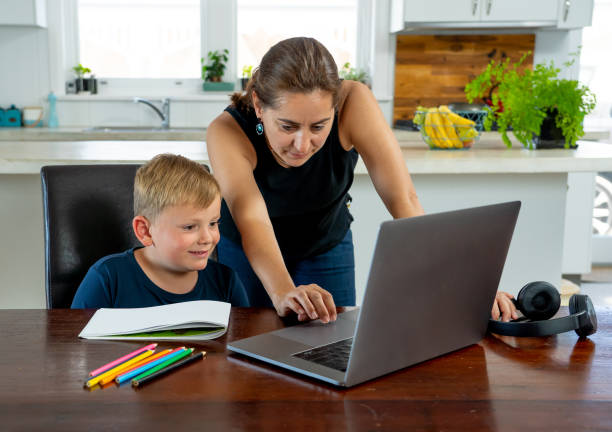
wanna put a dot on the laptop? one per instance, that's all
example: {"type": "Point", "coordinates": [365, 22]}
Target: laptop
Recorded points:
{"type": "Point", "coordinates": [430, 289]}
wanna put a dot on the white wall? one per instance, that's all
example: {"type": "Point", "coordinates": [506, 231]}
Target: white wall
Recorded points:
{"type": "Point", "coordinates": [24, 66]}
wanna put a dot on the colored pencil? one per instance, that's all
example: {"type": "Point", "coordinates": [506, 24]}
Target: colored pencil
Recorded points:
{"type": "Point", "coordinates": [124, 376]}
{"type": "Point", "coordinates": [95, 380]}
{"type": "Point", "coordinates": [154, 357]}
{"type": "Point", "coordinates": [170, 368]}
{"type": "Point", "coordinates": [122, 359]}
{"type": "Point", "coordinates": [163, 365]}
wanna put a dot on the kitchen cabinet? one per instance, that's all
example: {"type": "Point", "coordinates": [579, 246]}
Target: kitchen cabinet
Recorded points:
{"type": "Point", "coordinates": [408, 14]}
{"type": "Point", "coordinates": [519, 11]}
{"type": "Point", "coordinates": [23, 13]}
{"type": "Point", "coordinates": [575, 13]}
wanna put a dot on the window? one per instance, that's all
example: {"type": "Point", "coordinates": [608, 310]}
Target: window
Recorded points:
{"type": "Point", "coordinates": [262, 23]}
{"type": "Point", "coordinates": [596, 65]}
{"type": "Point", "coordinates": [140, 38]}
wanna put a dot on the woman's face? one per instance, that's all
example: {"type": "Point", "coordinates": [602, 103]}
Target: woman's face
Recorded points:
{"type": "Point", "coordinates": [298, 127]}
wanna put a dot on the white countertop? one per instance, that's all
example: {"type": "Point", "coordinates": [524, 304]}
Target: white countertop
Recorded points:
{"type": "Point", "coordinates": [488, 155]}
{"type": "Point", "coordinates": [145, 133]}
{"type": "Point", "coordinates": [84, 134]}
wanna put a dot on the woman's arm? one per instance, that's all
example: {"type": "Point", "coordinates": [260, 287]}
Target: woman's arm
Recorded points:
{"type": "Point", "coordinates": [363, 126]}
{"type": "Point", "coordinates": [233, 160]}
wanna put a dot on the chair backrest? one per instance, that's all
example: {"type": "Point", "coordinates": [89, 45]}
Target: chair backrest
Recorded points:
{"type": "Point", "coordinates": [88, 211]}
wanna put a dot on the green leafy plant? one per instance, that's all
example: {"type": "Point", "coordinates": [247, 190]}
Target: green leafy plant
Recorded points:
{"type": "Point", "coordinates": [353, 74]}
{"type": "Point", "coordinates": [214, 66]}
{"type": "Point", "coordinates": [522, 98]}
{"type": "Point", "coordinates": [80, 71]}
{"type": "Point", "coordinates": [247, 71]}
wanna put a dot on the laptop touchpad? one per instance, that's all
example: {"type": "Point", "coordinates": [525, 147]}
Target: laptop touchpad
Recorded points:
{"type": "Point", "coordinates": [316, 333]}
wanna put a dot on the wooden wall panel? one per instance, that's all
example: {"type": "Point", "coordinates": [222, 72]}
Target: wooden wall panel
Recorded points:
{"type": "Point", "coordinates": [433, 70]}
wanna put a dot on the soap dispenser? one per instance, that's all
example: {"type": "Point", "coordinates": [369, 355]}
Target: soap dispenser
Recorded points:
{"type": "Point", "coordinates": [52, 122]}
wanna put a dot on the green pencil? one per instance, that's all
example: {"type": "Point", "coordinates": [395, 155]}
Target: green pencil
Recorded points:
{"type": "Point", "coordinates": [168, 369]}
{"type": "Point", "coordinates": [163, 365]}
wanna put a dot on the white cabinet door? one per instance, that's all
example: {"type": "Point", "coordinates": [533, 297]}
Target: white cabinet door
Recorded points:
{"type": "Point", "coordinates": [440, 11]}
{"type": "Point", "coordinates": [575, 13]}
{"type": "Point", "coordinates": [23, 12]}
{"type": "Point", "coordinates": [492, 13]}
{"type": "Point", "coordinates": [519, 10]}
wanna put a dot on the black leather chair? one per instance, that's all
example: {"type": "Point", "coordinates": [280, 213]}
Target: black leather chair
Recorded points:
{"type": "Point", "coordinates": [88, 211]}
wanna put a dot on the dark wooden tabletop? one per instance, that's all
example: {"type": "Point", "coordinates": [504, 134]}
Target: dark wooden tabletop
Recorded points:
{"type": "Point", "coordinates": [503, 383]}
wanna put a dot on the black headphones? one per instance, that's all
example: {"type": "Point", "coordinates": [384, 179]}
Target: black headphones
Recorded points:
{"type": "Point", "coordinates": [538, 301]}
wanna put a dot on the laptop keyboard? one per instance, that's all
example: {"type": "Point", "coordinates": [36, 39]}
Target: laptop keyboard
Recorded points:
{"type": "Point", "coordinates": [334, 355]}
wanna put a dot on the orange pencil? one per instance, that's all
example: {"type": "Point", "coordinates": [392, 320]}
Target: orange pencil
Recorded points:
{"type": "Point", "coordinates": [112, 376]}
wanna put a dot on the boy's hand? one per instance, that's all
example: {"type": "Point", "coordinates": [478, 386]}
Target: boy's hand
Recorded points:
{"type": "Point", "coordinates": [307, 301]}
{"type": "Point", "coordinates": [503, 306]}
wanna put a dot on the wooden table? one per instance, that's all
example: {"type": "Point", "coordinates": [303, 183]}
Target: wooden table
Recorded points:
{"type": "Point", "coordinates": [503, 383]}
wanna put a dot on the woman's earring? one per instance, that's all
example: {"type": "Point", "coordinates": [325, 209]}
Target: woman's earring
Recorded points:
{"type": "Point", "coordinates": [259, 127]}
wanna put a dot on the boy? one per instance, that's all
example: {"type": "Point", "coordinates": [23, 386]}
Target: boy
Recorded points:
{"type": "Point", "coordinates": [176, 218]}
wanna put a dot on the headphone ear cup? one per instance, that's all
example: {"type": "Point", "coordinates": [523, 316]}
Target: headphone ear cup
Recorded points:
{"type": "Point", "coordinates": [588, 321]}
{"type": "Point", "coordinates": [538, 300]}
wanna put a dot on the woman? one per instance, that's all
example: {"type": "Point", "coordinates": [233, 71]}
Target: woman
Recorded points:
{"type": "Point", "coordinates": [284, 155]}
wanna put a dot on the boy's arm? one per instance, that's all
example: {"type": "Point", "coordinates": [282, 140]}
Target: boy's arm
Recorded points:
{"type": "Point", "coordinates": [93, 292]}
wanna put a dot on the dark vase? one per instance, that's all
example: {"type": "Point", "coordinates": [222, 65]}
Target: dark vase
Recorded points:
{"type": "Point", "coordinates": [243, 83]}
{"type": "Point", "coordinates": [79, 84]}
{"type": "Point", "coordinates": [91, 85]}
{"type": "Point", "coordinates": [551, 136]}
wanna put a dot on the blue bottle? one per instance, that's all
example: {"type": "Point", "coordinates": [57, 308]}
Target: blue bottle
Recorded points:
{"type": "Point", "coordinates": [52, 122]}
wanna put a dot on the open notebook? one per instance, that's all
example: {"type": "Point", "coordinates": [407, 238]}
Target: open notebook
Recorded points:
{"type": "Point", "coordinates": [194, 320]}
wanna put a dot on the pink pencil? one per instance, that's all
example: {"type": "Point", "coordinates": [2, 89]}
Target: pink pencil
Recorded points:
{"type": "Point", "coordinates": [122, 359]}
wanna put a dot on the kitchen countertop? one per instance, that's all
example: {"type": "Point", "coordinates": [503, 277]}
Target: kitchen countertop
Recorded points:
{"type": "Point", "coordinates": [83, 134]}
{"type": "Point", "coordinates": [182, 134]}
{"type": "Point", "coordinates": [489, 155]}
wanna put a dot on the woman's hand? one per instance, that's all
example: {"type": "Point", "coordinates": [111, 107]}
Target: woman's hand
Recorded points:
{"type": "Point", "coordinates": [503, 306]}
{"type": "Point", "coordinates": [307, 301]}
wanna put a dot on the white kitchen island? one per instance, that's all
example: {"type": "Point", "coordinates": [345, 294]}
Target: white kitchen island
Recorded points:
{"type": "Point", "coordinates": [444, 179]}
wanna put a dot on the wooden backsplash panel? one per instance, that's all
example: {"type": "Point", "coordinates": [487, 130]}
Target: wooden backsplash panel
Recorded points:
{"type": "Point", "coordinates": [433, 70]}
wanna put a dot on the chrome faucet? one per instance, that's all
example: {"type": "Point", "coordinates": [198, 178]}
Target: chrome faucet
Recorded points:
{"type": "Point", "coordinates": [164, 114]}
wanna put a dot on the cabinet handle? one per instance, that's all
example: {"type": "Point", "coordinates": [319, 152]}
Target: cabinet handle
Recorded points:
{"type": "Point", "coordinates": [474, 7]}
{"type": "Point", "coordinates": [566, 8]}
{"type": "Point", "coordinates": [490, 3]}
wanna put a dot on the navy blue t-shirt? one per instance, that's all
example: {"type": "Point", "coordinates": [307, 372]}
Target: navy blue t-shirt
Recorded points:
{"type": "Point", "coordinates": [118, 281]}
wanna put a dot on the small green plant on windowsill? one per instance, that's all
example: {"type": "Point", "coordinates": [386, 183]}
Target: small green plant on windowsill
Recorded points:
{"type": "Point", "coordinates": [213, 68]}
{"type": "Point", "coordinates": [247, 72]}
{"type": "Point", "coordinates": [80, 71]}
{"type": "Point", "coordinates": [354, 74]}
{"type": "Point", "coordinates": [84, 84]}
{"type": "Point", "coordinates": [542, 109]}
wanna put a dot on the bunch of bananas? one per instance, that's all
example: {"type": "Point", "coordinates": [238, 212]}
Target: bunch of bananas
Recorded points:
{"type": "Point", "coordinates": [442, 128]}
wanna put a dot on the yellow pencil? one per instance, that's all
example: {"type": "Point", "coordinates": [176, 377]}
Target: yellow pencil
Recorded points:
{"type": "Point", "coordinates": [112, 376]}
{"type": "Point", "coordinates": [93, 381]}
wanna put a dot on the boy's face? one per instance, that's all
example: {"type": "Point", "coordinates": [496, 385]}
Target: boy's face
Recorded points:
{"type": "Point", "coordinates": [184, 236]}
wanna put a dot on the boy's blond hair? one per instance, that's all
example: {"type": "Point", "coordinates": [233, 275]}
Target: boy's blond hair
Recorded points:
{"type": "Point", "coordinates": [169, 180]}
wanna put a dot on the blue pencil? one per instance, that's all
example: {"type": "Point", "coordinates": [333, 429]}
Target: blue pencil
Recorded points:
{"type": "Point", "coordinates": [122, 378]}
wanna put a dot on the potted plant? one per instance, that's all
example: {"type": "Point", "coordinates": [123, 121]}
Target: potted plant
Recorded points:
{"type": "Point", "coordinates": [212, 71]}
{"type": "Point", "coordinates": [83, 84]}
{"type": "Point", "coordinates": [247, 72]}
{"type": "Point", "coordinates": [543, 110]}
{"type": "Point", "coordinates": [354, 74]}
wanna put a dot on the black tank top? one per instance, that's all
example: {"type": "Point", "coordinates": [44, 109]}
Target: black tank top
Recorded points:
{"type": "Point", "coordinates": [308, 204]}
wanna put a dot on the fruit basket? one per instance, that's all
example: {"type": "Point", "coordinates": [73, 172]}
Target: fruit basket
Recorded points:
{"type": "Point", "coordinates": [442, 128]}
